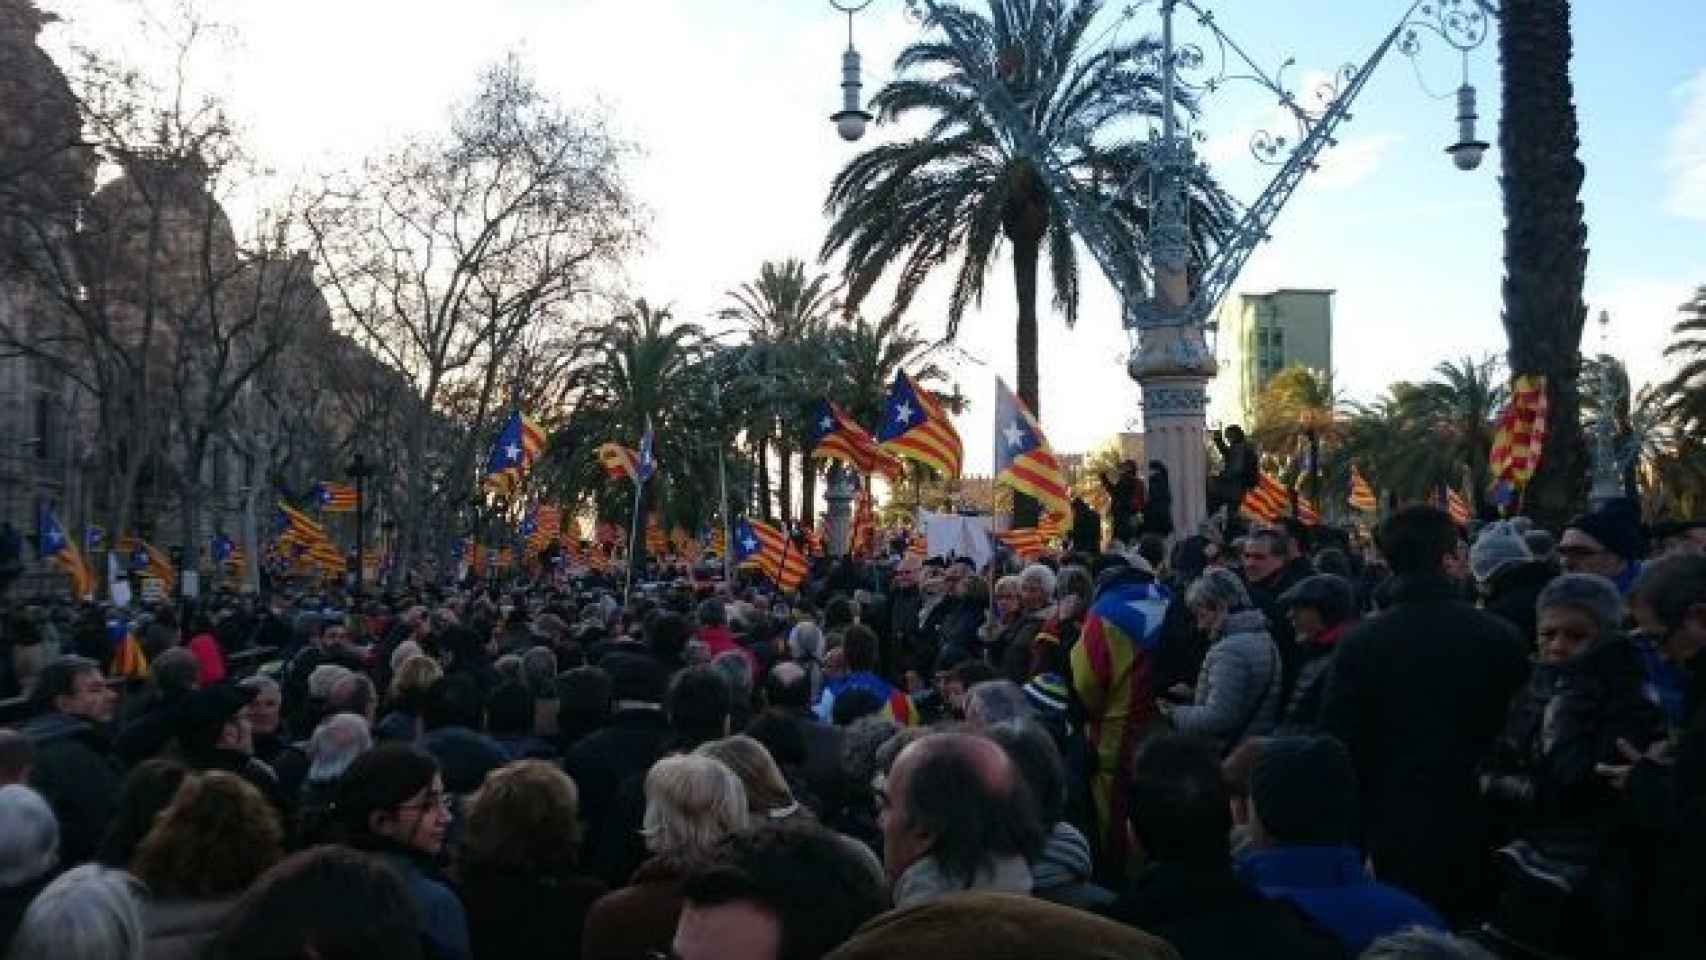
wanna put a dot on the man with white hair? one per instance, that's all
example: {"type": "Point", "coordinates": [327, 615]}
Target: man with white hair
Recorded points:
{"type": "Point", "coordinates": [29, 850]}
{"type": "Point", "coordinates": [995, 701]}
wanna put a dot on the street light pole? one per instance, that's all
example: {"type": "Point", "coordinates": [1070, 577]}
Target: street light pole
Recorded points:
{"type": "Point", "coordinates": [359, 471]}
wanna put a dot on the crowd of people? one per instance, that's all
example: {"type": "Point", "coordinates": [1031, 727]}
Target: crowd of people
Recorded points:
{"type": "Point", "coordinates": [1266, 742]}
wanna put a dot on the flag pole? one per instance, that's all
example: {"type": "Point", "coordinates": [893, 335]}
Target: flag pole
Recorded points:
{"type": "Point", "coordinates": [633, 535]}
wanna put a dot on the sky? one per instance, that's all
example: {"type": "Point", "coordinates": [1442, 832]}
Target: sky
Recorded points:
{"type": "Point", "coordinates": [728, 101]}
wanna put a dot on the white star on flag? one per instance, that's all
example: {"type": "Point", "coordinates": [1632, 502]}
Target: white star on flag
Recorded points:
{"type": "Point", "coordinates": [1015, 435]}
{"type": "Point", "coordinates": [750, 544]}
{"type": "Point", "coordinates": [512, 452]}
{"type": "Point", "coordinates": [826, 423]}
{"type": "Point", "coordinates": [903, 413]}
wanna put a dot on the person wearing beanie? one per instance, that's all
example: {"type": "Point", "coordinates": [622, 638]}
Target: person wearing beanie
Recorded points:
{"type": "Point", "coordinates": [1607, 541]}
{"type": "Point", "coordinates": [1322, 608]}
{"type": "Point", "coordinates": [1508, 578]}
{"type": "Point", "coordinates": [1303, 825]}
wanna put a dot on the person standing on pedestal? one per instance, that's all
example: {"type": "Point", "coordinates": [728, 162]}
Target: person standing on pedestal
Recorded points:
{"type": "Point", "coordinates": [1240, 470]}
{"type": "Point", "coordinates": [1125, 500]}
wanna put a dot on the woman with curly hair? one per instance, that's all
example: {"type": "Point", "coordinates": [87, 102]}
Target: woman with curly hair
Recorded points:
{"type": "Point", "coordinates": [407, 698]}
{"type": "Point", "coordinates": [210, 843]}
{"type": "Point", "coordinates": [520, 879]}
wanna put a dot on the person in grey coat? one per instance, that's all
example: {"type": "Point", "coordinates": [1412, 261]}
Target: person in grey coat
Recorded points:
{"type": "Point", "coordinates": [1237, 694]}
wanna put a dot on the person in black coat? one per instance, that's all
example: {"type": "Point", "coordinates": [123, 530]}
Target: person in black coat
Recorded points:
{"type": "Point", "coordinates": [1418, 694]}
{"type": "Point", "coordinates": [1508, 577]}
{"type": "Point", "coordinates": [602, 761]}
{"type": "Point", "coordinates": [1086, 527]}
{"type": "Point", "coordinates": [1187, 892]}
{"type": "Point", "coordinates": [74, 769]}
{"type": "Point", "coordinates": [1125, 499]}
{"type": "Point", "coordinates": [1158, 506]}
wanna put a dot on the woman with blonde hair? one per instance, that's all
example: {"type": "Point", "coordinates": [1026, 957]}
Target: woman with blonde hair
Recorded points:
{"type": "Point", "coordinates": [692, 803]}
{"type": "Point", "coordinates": [519, 873]}
{"type": "Point", "coordinates": [406, 698]}
{"type": "Point", "coordinates": [768, 796]}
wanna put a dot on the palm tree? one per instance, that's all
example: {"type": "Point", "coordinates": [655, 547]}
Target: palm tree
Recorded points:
{"type": "Point", "coordinates": [1687, 389]}
{"type": "Point", "coordinates": [1296, 411]}
{"type": "Point", "coordinates": [959, 190]}
{"type": "Point", "coordinates": [1418, 437]}
{"type": "Point", "coordinates": [780, 309]}
{"type": "Point", "coordinates": [1545, 238]}
{"type": "Point", "coordinates": [633, 370]}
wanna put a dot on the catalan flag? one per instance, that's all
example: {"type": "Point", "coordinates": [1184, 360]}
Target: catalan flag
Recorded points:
{"type": "Point", "coordinates": [837, 436]}
{"type": "Point", "coordinates": [1054, 526]}
{"type": "Point", "coordinates": [1306, 511]}
{"type": "Point", "coordinates": [56, 548]}
{"type": "Point", "coordinates": [129, 662]}
{"type": "Point", "coordinates": [1027, 542]}
{"type": "Point", "coordinates": [775, 553]}
{"type": "Point", "coordinates": [863, 541]}
{"type": "Point", "coordinates": [334, 497]}
{"type": "Point", "coordinates": [657, 542]}
{"type": "Point", "coordinates": [155, 562]}
{"type": "Point", "coordinates": [519, 443]}
{"type": "Point", "coordinates": [1023, 459]}
{"type": "Point", "coordinates": [1458, 508]}
{"type": "Point", "coordinates": [1269, 501]}
{"type": "Point", "coordinates": [1520, 435]}
{"type": "Point", "coordinates": [915, 426]}
{"type": "Point", "coordinates": [1362, 496]}
{"type": "Point", "coordinates": [542, 525]}
{"type": "Point", "coordinates": [619, 462]}
{"type": "Point", "coordinates": [302, 539]}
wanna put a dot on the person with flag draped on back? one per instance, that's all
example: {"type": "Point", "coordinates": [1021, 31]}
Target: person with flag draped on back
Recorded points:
{"type": "Point", "coordinates": [1113, 675]}
{"type": "Point", "coordinates": [915, 426]}
{"type": "Point", "coordinates": [518, 444]}
{"type": "Point", "coordinates": [773, 550]}
{"type": "Point", "coordinates": [859, 647]}
{"type": "Point", "coordinates": [1023, 459]}
{"type": "Point", "coordinates": [57, 549]}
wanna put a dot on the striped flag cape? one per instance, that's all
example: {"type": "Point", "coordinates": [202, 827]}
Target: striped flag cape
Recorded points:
{"type": "Point", "coordinates": [129, 662]}
{"type": "Point", "coordinates": [1027, 542]}
{"type": "Point", "coordinates": [518, 444]}
{"type": "Point", "coordinates": [915, 426]}
{"type": "Point", "coordinates": [1520, 435]}
{"type": "Point", "coordinates": [1023, 459]}
{"type": "Point", "coordinates": [776, 556]}
{"type": "Point", "coordinates": [334, 497]}
{"type": "Point", "coordinates": [837, 436]}
{"type": "Point", "coordinates": [1362, 496]}
{"type": "Point", "coordinates": [864, 539]}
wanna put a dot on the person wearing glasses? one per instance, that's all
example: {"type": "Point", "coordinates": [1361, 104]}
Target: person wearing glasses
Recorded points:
{"type": "Point", "coordinates": [1606, 541]}
{"type": "Point", "coordinates": [392, 804]}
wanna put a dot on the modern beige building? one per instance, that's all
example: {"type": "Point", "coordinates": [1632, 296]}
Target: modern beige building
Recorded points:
{"type": "Point", "coordinates": [1261, 334]}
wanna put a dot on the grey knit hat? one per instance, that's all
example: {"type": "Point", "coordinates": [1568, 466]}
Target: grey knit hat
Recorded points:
{"type": "Point", "coordinates": [1498, 546]}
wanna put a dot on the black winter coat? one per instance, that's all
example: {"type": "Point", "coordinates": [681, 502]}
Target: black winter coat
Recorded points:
{"type": "Point", "coordinates": [1418, 693]}
{"type": "Point", "coordinates": [75, 772]}
{"type": "Point", "coordinates": [600, 764]}
{"type": "Point", "coordinates": [1566, 719]}
{"type": "Point", "coordinates": [1209, 914]}
{"type": "Point", "coordinates": [1512, 592]}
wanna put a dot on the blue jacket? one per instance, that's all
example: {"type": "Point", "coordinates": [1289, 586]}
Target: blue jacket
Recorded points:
{"type": "Point", "coordinates": [1331, 886]}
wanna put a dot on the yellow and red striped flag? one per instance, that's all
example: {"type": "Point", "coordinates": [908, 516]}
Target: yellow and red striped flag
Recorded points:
{"type": "Point", "coordinates": [1362, 496]}
{"type": "Point", "coordinates": [1027, 542]}
{"type": "Point", "coordinates": [777, 556]}
{"type": "Point", "coordinates": [1521, 432]}
{"type": "Point", "coordinates": [915, 425]}
{"type": "Point", "coordinates": [1023, 459]}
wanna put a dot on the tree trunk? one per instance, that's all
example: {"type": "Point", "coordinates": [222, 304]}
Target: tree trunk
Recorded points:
{"type": "Point", "coordinates": [1545, 240]}
{"type": "Point", "coordinates": [1026, 250]}
{"type": "Point", "coordinates": [785, 456]}
{"type": "Point", "coordinates": [808, 490]}
{"type": "Point", "coordinates": [764, 510]}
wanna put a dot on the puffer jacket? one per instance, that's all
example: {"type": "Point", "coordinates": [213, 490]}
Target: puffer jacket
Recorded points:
{"type": "Point", "coordinates": [1238, 688]}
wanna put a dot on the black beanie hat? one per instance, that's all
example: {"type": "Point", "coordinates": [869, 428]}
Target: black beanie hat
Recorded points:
{"type": "Point", "coordinates": [1617, 527]}
{"type": "Point", "coordinates": [1304, 790]}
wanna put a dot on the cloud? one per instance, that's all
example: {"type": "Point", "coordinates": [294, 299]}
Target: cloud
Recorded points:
{"type": "Point", "coordinates": [1354, 160]}
{"type": "Point", "coordinates": [1685, 154]}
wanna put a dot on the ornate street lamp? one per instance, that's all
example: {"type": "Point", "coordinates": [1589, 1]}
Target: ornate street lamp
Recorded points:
{"type": "Point", "coordinates": [1167, 294]}
{"type": "Point", "coordinates": [852, 118]}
